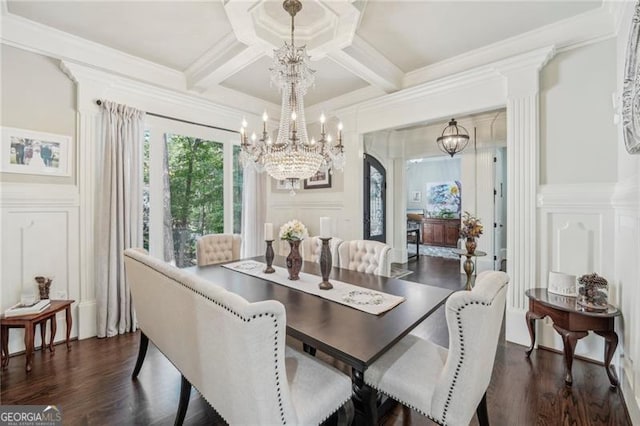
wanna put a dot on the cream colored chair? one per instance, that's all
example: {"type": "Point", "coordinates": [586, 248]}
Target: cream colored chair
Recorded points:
{"type": "Point", "coordinates": [242, 366]}
{"type": "Point", "coordinates": [217, 248]}
{"type": "Point", "coordinates": [447, 386]}
{"type": "Point", "coordinates": [312, 246]}
{"type": "Point", "coordinates": [367, 256]}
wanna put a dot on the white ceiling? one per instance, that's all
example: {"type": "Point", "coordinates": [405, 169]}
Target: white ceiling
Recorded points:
{"type": "Point", "coordinates": [353, 44]}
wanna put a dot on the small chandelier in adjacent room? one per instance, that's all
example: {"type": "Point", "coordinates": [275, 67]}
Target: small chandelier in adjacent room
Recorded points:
{"type": "Point", "coordinates": [292, 156]}
{"type": "Point", "coordinates": [454, 138]}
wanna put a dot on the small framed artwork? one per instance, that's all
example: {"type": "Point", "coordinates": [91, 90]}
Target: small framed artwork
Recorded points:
{"type": "Point", "coordinates": [35, 153]}
{"type": "Point", "coordinates": [416, 196]}
{"type": "Point", "coordinates": [319, 180]}
{"type": "Point", "coordinates": [286, 184]}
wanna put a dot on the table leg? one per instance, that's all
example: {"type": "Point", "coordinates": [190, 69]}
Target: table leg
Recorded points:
{"type": "Point", "coordinates": [54, 327]}
{"type": "Point", "coordinates": [468, 269]}
{"type": "Point", "coordinates": [69, 322]}
{"type": "Point", "coordinates": [531, 318]}
{"type": "Point", "coordinates": [610, 345]}
{"type": "Point", "coordinates": [5, 346]}
{"type": "Point", "coordinates": [28, 343]}
{"type": "Point", "coordinates": [365, 400]}
{"type": "Point", "coordinates": [43, 333]}
{"type": "Point", "coordinates": [570, 339]}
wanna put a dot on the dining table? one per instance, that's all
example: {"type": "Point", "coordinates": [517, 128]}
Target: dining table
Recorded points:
{"type": "Point", "coordinates": [349, 335]}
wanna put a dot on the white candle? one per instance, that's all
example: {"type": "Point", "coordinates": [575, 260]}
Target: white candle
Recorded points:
{"type": "Point", "coordinates": [268, 231]}
{"type": "Point", "coordinates": [325, 227]}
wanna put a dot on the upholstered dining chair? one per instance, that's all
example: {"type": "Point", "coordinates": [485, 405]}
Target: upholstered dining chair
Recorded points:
{"type": "Point", "coordinates": [312, 247]}
{"type": "Point", "coordinates": [217, 248]}
{"type": "Point", "coordinates": [242, 367]}
{"type": "Point", "coordinates": [367, 256]}
{"type": "Point", "coordinates": [447, 386]}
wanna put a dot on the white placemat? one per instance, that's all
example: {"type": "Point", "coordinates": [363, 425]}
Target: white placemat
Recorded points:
{"type": "Point", "coordinates": [363, 299]}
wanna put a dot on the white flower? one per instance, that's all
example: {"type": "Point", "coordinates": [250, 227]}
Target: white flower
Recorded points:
{"type": "Point", "coordinates": [293, 230]}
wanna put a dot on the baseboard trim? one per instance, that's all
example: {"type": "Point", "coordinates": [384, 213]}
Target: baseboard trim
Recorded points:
{"type": "Point", "coordinates": [516, 330]}
{"type": "Point", "coordinates": [87, 319]}
{"type": "Point", "coordinates": [632, 403]}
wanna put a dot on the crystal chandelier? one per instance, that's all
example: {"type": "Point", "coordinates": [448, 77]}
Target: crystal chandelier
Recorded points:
{"type": "Point", "coordinates": [454, 138]}
{"type": "Point", "coordinates": [292, 156]}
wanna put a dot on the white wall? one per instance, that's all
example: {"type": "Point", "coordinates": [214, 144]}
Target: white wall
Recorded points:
{"type": "Point", "coordinates": [577, 133]}
{"type": "Point", "coordinates": [626, 202]}
{"type": "Point", "coordinates": [39, 213]}
{"type": "Point", "coordinates": [36, 95]}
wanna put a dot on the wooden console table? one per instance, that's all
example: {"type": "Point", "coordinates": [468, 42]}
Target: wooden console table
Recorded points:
{"type": "Point", "coordinates": [440, 232]}
{"type": "Point", "coordinates": [28, 322]}
{"type": "Point", "coordinates": [573, 323]}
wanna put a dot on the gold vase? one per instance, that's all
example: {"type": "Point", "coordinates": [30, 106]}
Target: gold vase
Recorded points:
{"type": "Point", "coordinates": [470, 244]}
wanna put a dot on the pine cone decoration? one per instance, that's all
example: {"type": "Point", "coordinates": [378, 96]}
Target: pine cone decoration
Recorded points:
{"type": "Point", "coordinates": [593, 291]}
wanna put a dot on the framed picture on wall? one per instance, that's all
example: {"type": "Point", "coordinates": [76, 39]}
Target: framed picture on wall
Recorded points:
{"type": "Point", "coordinates": [319, 180]}
{"type": "Point", "coordinates": [35, 153]}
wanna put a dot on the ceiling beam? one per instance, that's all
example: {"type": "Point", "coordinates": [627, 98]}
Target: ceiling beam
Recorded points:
{"type": "Point", "coordinates": [225, 58]}
{"type": "Point", "coordinates": [367, 63]}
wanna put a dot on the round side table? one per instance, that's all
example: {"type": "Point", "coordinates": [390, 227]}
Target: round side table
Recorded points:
{"type": "Point", "coordinates": [468, 265]}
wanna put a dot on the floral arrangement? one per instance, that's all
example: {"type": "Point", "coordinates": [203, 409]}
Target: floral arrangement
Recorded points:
{"type": "Point", "coordinates": [293, 230]}
{"type": "Point", "coordinates": [471, 226]}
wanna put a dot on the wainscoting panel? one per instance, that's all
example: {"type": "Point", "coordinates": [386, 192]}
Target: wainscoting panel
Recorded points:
{"type": "Point", "coordinates": [40, 237]}
{"type": "Point", "coordinates": [576, 237]}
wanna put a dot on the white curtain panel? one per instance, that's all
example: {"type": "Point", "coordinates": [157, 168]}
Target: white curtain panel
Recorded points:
{"type": "Point", "coordinates": [254, 212]}
{"type": "Point", "coordinates": [119, 224]}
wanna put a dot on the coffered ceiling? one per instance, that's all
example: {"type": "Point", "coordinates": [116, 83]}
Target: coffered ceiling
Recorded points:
{"type": "Point", "coordinates": [354, 45]}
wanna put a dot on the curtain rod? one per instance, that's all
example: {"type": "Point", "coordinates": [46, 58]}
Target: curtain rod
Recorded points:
{"type": "Point", "coordinates": [99, 102]}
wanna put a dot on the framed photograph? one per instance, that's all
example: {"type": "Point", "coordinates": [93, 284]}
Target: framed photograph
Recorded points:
{"type": "Point", "coordinates": [35, 153]}
{"type": "Point", "coordinates": [319, 180]}
{"type": "Point", "coordinates": [416, 196]}
{"type": "Point", "coordinates": [286, 185]}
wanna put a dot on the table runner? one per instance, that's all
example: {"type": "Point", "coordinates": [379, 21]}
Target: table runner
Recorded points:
{"type": "Point", "coordinates": [363, 299]}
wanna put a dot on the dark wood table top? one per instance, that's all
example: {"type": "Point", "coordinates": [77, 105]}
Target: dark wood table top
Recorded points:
{"type": "Point", "coordinates": [352, 336]}
{"type": "Point", "coordinates": [567, 303]}
{"type": "Point", "coordinates": [55, 306]}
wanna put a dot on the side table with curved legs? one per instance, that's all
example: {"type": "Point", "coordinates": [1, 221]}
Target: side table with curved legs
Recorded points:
{"type": "Point", "coordinates": [469, 266]}
{"type": "Point", "coordinates": [572, 324]}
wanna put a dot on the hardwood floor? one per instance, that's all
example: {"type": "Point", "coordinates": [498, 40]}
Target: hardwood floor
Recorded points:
{"type": "Point", "coordinates": [92, 383]}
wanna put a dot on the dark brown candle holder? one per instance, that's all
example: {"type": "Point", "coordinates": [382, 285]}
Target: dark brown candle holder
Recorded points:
{"type": "Point", "coordinates": [268, 255]}
{"type": "Point", "coordinates": [325, 264]}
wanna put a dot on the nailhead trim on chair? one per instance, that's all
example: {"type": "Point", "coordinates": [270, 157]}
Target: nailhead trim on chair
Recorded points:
{"type": "Point", "coordinates": [246, 319]}
{"type": "Point", "coordinates": [443, 421]}
{"type": "Point", "coordinates": [459, 366]}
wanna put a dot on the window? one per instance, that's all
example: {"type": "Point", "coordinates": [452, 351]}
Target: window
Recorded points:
{"type": "Point", "coordinates": [194, 183]}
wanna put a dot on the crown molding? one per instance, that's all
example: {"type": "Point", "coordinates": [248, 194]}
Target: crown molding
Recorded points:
{"type": "Point", "coordinates": [589, 26]}
{"type": "Point", "coordinates": [343, 101]}
{"type": "Point", "coordinates": [38, 38]}
{"type": "Point", "coordinates": [148, 94]}
{"type": "Point", "coordinates": [618, 10]}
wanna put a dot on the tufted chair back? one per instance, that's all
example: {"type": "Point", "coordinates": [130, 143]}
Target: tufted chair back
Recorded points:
{"type": "Point", "coordinates": [239, 361]}
{"type": "Point", "coordinates": [448, 385]}
{"type": "Point", "coordinates": [312, 246]}
{"type": "Point", "coordinates": [474, 319]}
{"type": "Point", "coordinates": [217, 248]}
{"type": "Point", "coordinates": [367, 256]}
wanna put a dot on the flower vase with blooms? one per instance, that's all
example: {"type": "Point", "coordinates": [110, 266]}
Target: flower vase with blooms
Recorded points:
{"type": "Point", "coordinates": [470, 230]}
{"type": "Point", "coordinates": [294, 232]}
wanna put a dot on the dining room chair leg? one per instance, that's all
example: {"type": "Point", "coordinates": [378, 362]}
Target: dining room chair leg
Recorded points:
{"type": "Point", "coordinates": [481, 411]}
{"type": "Point", "coordinates": [142, 352]}
{"type": "Point", "coordinates": [346, 413]}
{"type": "Point", "coordinates": [185, 394]}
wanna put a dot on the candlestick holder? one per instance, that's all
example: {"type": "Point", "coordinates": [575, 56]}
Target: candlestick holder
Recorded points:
{"type": "Point", "coordinates": [268, 255]}
{"type": "Point", "coordinates": [325, 264]}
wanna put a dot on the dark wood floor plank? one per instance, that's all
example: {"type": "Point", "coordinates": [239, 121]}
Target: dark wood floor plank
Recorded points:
{"type": "Point", "coordinates": [92, 383]}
